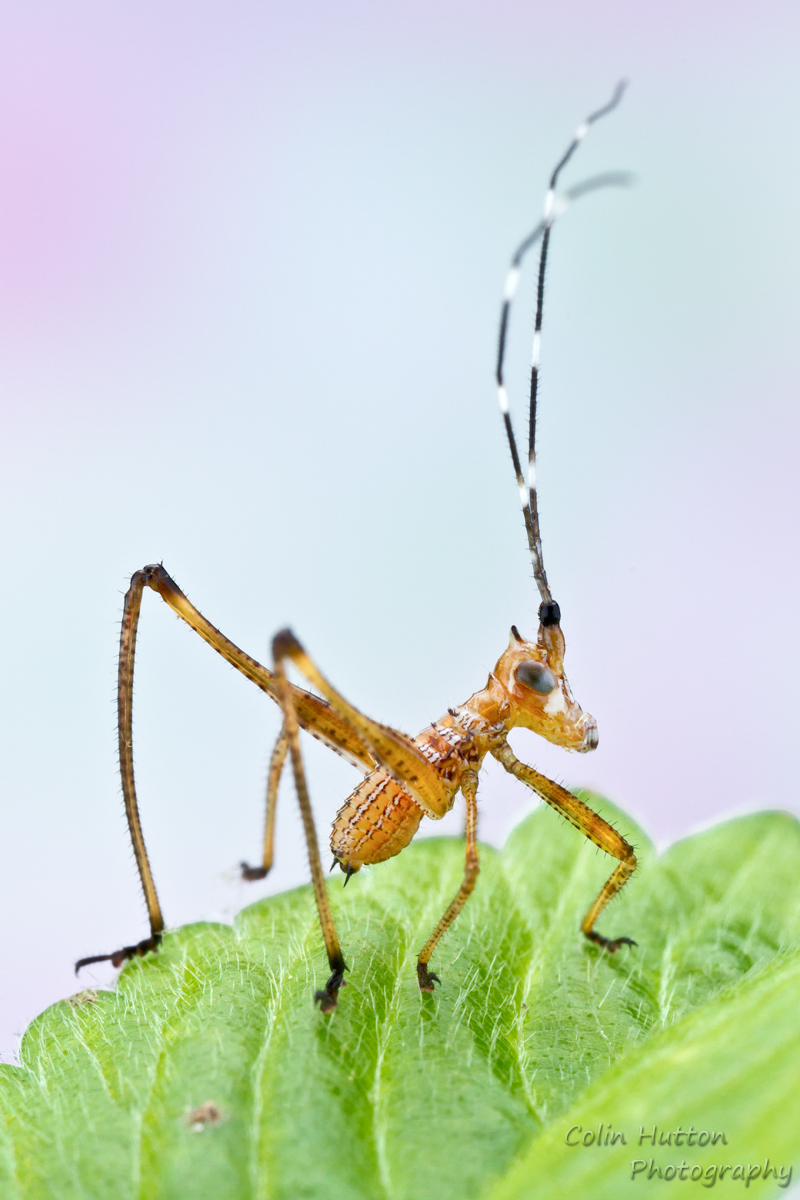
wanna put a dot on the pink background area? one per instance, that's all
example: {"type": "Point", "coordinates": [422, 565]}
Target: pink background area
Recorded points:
{"type": "Point", "coordinates": [251, 258]}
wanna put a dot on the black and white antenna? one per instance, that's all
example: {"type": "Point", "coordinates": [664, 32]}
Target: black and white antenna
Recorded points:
{"type": "Point", "coordinates": [554, 206]}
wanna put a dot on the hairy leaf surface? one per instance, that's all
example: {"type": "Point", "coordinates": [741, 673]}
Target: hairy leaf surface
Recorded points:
{"type": "Point", "coordinates": [468, 1093]}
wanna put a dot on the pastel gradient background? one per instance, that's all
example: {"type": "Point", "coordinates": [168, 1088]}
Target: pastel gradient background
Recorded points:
{"type": "Point", "coordinates": [251, 256]}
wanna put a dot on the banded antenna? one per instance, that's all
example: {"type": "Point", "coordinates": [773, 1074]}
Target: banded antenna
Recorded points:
{"type": "Point", "coordinates": [554, 206]}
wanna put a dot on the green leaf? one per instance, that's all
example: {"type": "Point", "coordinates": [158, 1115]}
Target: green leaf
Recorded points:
{"type": "Point", "coordinates": [468, 1093]}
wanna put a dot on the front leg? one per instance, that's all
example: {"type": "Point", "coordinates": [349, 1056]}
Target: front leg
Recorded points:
{"type": "Point", "coordinates": [591, 826]}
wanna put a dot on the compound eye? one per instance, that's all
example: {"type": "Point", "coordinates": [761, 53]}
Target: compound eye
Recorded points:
{"type": "Point", "coordinates": [536, 676]}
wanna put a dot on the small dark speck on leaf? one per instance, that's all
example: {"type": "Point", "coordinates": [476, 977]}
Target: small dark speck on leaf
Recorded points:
{"type": "Point", "coordinates": [87, 996]}
{"type": "Point", "coordinates": [205, 1114]}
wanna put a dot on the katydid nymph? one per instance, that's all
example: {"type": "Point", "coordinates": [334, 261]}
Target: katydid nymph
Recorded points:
{"type": "Point", "coordinates": [408, 778]}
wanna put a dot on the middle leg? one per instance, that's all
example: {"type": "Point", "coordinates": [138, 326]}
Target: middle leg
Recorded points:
{"type": "Point", "coordinates": [469, 788]}
{"type": "Point", "coordinates": [273, 781]}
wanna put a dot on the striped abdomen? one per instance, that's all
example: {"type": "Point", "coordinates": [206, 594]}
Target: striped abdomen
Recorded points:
{"type": "Point", "coordinates": [379, 818]}
{"type": "Point", "coordinates": [377, 821]}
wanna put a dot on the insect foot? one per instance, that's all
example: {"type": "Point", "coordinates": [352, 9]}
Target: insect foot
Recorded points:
{"type": "Point", "coordinates": [251, 873]}
{"type": "Point", "coordinates": [329, 998]}
{"type": "Point", "coordinates": [120, 956]}
{"type": "Point", "coordinates": [427, 979]}
{"type": "Point", "coordinates": [612, 945]}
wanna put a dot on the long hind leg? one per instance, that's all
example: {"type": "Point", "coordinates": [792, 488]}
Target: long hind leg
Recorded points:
{"type": "Point", "coordinates": [127, 652]}
{"type": "Point", "coordinates": [316, 716]}
{"type": "Point", "coordinates": [327, 998]}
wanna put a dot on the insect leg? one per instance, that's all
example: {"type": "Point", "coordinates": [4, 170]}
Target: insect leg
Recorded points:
{"type": "Point", "coordinates": [127, 651]}
{"type": "Point", "coordinates": [469, 788]}
{"type": "Point", "coordinates": [394, 751]}
{"type": "Point", "coordinates": [313, 714]}
{"type": "Point", "coordinates": [591, 826]}
{"type": "Point", "coordinates": [328, 997]}
{"type": "Point", "coordinates": [273, 780]}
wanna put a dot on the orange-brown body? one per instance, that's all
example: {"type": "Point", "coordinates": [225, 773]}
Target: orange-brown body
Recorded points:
{"type": "Point", "coordinates": [405, 778]}
{"type": "Point", "coordinates": [380, 817]}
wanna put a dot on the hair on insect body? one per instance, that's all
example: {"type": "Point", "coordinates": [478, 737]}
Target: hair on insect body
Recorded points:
{"type": "Point", "coordinates": [408, 778]}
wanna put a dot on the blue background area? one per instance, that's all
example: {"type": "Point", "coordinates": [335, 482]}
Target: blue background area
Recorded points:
{"type": "Point", "coordinates": [251, 258]}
